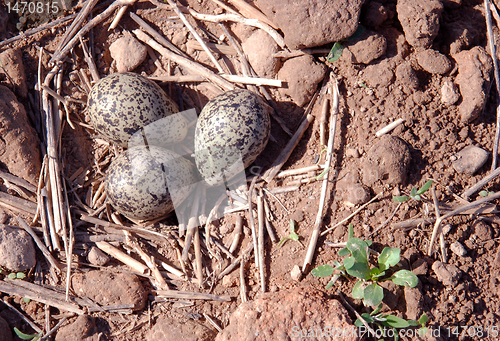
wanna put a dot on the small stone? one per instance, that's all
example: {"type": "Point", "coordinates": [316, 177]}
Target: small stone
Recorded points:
{"type": "Point", "coordinates": [169, 329]}
{"type": "Point", "coordinates": [259, 49]}
{"type": "Point", "coordinates": [470, 160]}
{"type": "Point", "coordinates": [108, 288]}
{"type": "Point", "coordinates": [17, 251]}
{"type": "Point", "coordinates": [433, 62]}
{"type": "Point", "coordinates": [446, 229]}
{"type": "Point", "coordinates": [128, 53]}
{"type": "Point", "coordinates": [448, 274]}
{"type": "Point", "coordinates": [296, 274]}
{"type": "Point", "coordinates": [407, 77]}
{"type": "Point", "coordinates": [449, 93]}
{"type": "Point", "coordinates": [482, 230]}
{"type": "Point", "coordinates": [229, 281]}
{"type": "Point", "coordinates": [302, 75]}
{"type": "Point", "coordinates": [5, 330]}
{"type": "Point", "coordinates": [458, 249]}
{"type": "Point", "coordinates": [366, 48]}
{"type": "Point", "coordinates": [420, 21]}
{"type": "Point", "coordinates": [97, 257]}
{"type": "Point", "coordinates": [83, 329]}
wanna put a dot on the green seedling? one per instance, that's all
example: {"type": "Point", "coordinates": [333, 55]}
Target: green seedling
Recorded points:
{"type": "Point", "coordinates": [292, 236]}
{"type": "Point", "coordinates": [485, 193]}
{"type": "Point", "coordinates": [356, 264]}
{"type": "Point", "coordinates": [18, 275]}
{"type": "Point", "coordinates": [414, 194]}
{"type": "Point", "coordinates": [391, 321]}
{"type": "Point", "coordinates": [338, 49]}
{"type": "Point", "coordinates": [22, 336]}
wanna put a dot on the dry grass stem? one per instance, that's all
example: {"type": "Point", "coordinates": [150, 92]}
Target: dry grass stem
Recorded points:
{"type": "Point", "coordinates": [260, 214]}
{"type": "Point", "coordinates": [243, 288]}
{"type": "Point", "coordinates": [251, 12]}
{"type": "Point", "coordinates": [238, 230]}
{"type": "Point", "coordinates": [19, 204]}
{"type": "Point", "coordinates": [184, 295]}
{"type": "Point", "coordinates": [18, 181]}
{"type": "Point", "coordinates": [197, 254]}
{"type": "Point", "coordinates": [322, 122]}
{"type": "Point", "coordinates": [492, 175]}
{"type": "Point", "coordinates": [438, 215]}
{"type": "Point", "coordinates": [90, 61]}
{"type": "Point", "coordinates": [230, 78]}
{"type": "Point", "coordinates": [268, 218]}
{"type": "Point", "coordinates": [53, 330]}
{"type": "Point", "coordinates": [389, 127]}
{"type": "Point", "coordinates": [21, 315]}
{"type": "Point", "coordinates": [219, 48]}
{"type": "Point", "coordinates": [237, 261]}
{"type": "Point", "coordinates": [122, 257]}
{"type": "Point", "coordinates": [118, 17]}
{"type": "Point", "coordinates": [252, 220]}
{"type": "Point", "coordinates": [192, 222]}
{"type": "Point", "coordinates": [387, 221]}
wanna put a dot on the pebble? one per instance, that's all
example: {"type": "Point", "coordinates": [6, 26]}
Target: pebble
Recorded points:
{"type": "Point", "coordinates": [259, 49]}
{"type": "Point", "coordinates": [420, 21]}
{"type": "Point", "coordinates": [128, 53]}
{"type": "Point", "coordinates": [296, 274]}
{"type": "Point", "coordinates": [83, 329]}
{"type": "Point", "coordinates": [97, 257]}
{"type": "Point", "coordinates": [433, 62]}
{"type": "Point", "coordinates": [469, 160]}
{"type": "Point", "coordinates": [366, 48]}
{"type": "Point", "coordinates": [458, 249]}
{"type": "Point", "coordinates": [17, 251]}
{"type": "Point", "coordinates": [446, 229]}
{"type": "Point", "coordinates": [448, 274]}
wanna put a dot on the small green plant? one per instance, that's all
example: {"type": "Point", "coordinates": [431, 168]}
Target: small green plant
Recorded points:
{"type": "Point", "coordinates": [292, 236]}
{"type": "Point", "coordinates": [391, 321]}
{"type": "Point", "coordinates": [338, 49]}
{"type": "Point", "coordinates": [357, 265]}
{"type": "Point", "coordinates": [18, 275]}
{"type": "Point", "coordinates": [485, 193]}
{"type": "Point", "coordinates": [414, 194]}
{"type": "Point", "coordinates": [22, 336]}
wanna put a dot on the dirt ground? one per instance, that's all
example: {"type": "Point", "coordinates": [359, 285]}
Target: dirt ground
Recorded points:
{"type": "Point", "coordinates": [433, 131]}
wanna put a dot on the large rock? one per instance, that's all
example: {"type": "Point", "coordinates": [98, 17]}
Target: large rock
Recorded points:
{"type": "Point", "coordinates": [367, 47]}
{"type": "Point", "coordinates": [420, 21]}
{"type": "Point", "coordinates": [83, 329]}
{"type": "Point", "coordinates": [289, 315]}
{"type": "Point", "coordinates": [19, 145]}
{"type": "Point", "coordinates": [474, 76]}
{"type": "Point", "coordinates": [323, 22]}
{"type": "Point", "coordinates": [12, 64]}
{"type": "Point", "coordinates": [17, 251]}
{"type": "Point", "coordinates": [108, 288]}
{"type": "Point", "coordinates": [168, 329]}
{"type": "Point", "coordinates": [302, 74]}
{"type": "Point", "coordinates": [259, 49]}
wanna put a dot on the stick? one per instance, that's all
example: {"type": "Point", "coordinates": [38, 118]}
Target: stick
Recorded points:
{"type": "Point", "coordinates": [219, 48]}
{"type": "Point", "coordinates": [191, 29]}
{"type": "Point", "coordinates": [237, 234]}
{"type": "Point", "coordinates": [237, 261]}
{"type": "Point", "coordinates": [184, 62]}
{"type": "Point", "coordinates": [243, 289]}
{"type": "Point", "coordinates": [118, 17]}
{"type": "Point", "coordinates": [491, 40]}
{"type": "Point", "coordinates": [18, 181]}
{"type": "Point", "coordinates": [39, 243]}
{"type": "Point", "coordinates": [438, 215]}
{"type": "Point", "coordinates": [192, 223]}
{"type": "Point", "coordinates": [455, 212]}
{"type": "Point", "coordinates": [370, 330]}
{"type": "Point", "coordinates": [197, 254]}
{"type": "Point", "coordinates": [386, 221]}
{"type": "Point", "coordinates": [260, 214]}
{"type": "Point", "coordinates": [329, 155]}
{"type": "Point", "coordinates": [238, 18]}
{"type": "Point", "coordinates": [53, 330]}
{"type": "Point", "coordinates": [231, 78]}
{"type": "Point", "coordinates": [22, 205]}
{"type": "Point", "coordinates": [389, 127]}
{"type": "Point", "coordinates": [122, 257]}
{"type": "Point", "coordinates": [493, 174]}
{"type": "Point", "coordinates": [268, 217]}
{"type": "Point", "coordinates": [251, 219]}
{"type": "Point", "coordinates": [322, 122]}
{"type": "Point", "coordinates": [25, 318]}
{"type": "Point", "coordinates": [90, 61]}
{"type": "Point", "coordinates": [184, 295]}
{"type": "Point", "coordinates": [251, 12]}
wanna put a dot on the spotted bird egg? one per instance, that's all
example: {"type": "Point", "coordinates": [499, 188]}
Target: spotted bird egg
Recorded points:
{"type": "Point", "coordinates": [146, 183]}
{"type": "Point", "coordinates": [126, 103]}
{"type": "Point", "coordinates": [231, 131]}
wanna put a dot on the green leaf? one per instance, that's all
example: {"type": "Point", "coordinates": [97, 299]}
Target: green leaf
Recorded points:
{"type": "Point", "coordinates": [349, 262]}
{"type": "Point", "coordinates": [351, 231]}
{"type": "Point", "coordinates": [344, 252]}
{"type": "Point", "coordinates": [359, 270]}
{"type": "Point", "coordinates": [406, 278]}
{"type": "Point", "coordinates": [337, 264]}
{"type": "Point", "coordinates": [375, 273]}
{"type": "Point", "coordinates": [484, 193]}
{"type": "Point", "coordinates": [11, 276]}
{"type": "Point", "coordinates": [359, 31]}
{"type": "Point", "coordinates": [377, 310]}
{"type": "Point", "coordinates": [359, 249]}
{"type": "Point", "coordinates": [395, 322]}
{"type": "Point", "coordinates": [330, 284]}
{"type": "Point", "coordinates": [389, 257]}
{"type": "Point", "coordinates": [292, 226]}
{"type": "Point", "coordinates": [422, 331]}
{"type": "Point", "coordinates": [23, 336]}
{"type": "Point", "coordinates": [413, 192]}
{"type": "Point", "coordinates": [335, 52]}
{"type": "Point", "coordinates": [425, 187]}
{"type": "Point", "coordinates": [294, 236]}
{"type": "Point", "coordinates": [358, 290]}
{"type": "Point", "coordinates": [20, 275]}
{"type": "Point", "coordinates": [365, 317]}
{"type": "Point", "coordinates": [322, 271]}
{"type": "Point", "coordinates": [403, 198]}
{"type": "Point", "coordinates": [26, 300]}
{"type": "Point", "coordinates": [373, 295]}
{"type": "Point", "coordinates": [416, 197]}
{"type": "Point", "coordinates": [423, 319]}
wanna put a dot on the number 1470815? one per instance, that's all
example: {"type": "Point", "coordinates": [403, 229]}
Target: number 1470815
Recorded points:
{"type": "Point", "coordinates": [474, 331]}
{"type": "Point", "coordinates": [31, 7]}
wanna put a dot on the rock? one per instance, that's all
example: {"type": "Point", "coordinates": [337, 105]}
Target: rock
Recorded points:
{"type": "Point", "coordinates": [367, 47]}
{"type": "Point", "coordinates": [97, 257]}
{"type": "Point", "coordinates": [108, 288]}
{"type": "Point", "coordinates": [474, 76]}
{"type": "Point", "coordinates": [469, 160]}
{"type": "Point", "coordinates": [83, 329]}
{"type": "Point", "coordinates": [373, 14]}
{"type": "Point", "coordinates": [302, 75]}
{"type": "Point", "coordinates": [296, 274]}
{"type": "Point", "coordinates": [407, 77]}
{"type": "Point", "coordinates": [17, 251]}
{"type": "Point", "coordinates": [448, 274]}
{"type": "Point", "coordinates": [128, 53]}
{"type": "Point", "coordinates": [387, 160]}
{"type": "Point", "coordinates": [420, 21]}
{"type": "Point", "coordinates": [433, 62]}
{"type": "Point", "coordinates": [168, 329]}
{"type": "Point", "coordinates": [379, 75]}
{"type": "Point", "coordinates": [447, 229]}
{"type": "Point", "coordinates": [259, 49]}
{"type": "Point", "coordinates": [5, 330]}
{"type": "Point", "coordinates": [449, 93]}
{"type": "Point", "coordinates": [482, 230]}
{"type": "Point", "coordinates": [19, 145]}
{"type": "Point", "coordinates": [323, 22]}
{"type": "Point", "coordinates": [287, 314]}
{"type": "Point", "coordinates": [458, 249]}
{"type": "Point", "coordinates": [414, 302]}
{"type": "Point", "coordinates": [356, 194]}
{"type": "Point", "coordinates": [420, 267]}
{"type": "Point", "coordinates": [12, 64]}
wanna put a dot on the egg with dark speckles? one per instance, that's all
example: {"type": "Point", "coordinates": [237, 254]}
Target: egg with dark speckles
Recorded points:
{"type": "Point", "coordinates": [231, 131]}
{"type": "Point", "coordinates": [123, 103]}
{"type": "Point", "coordinates": [146, 183]}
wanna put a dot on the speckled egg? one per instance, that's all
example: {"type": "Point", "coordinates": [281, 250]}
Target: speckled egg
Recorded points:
{"type": "Point", "coordinates": [146, 183]}
{"type": "Point", "coordinates": [123, 103]}
{"type": "Point", "coordinates": [231, 131]}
